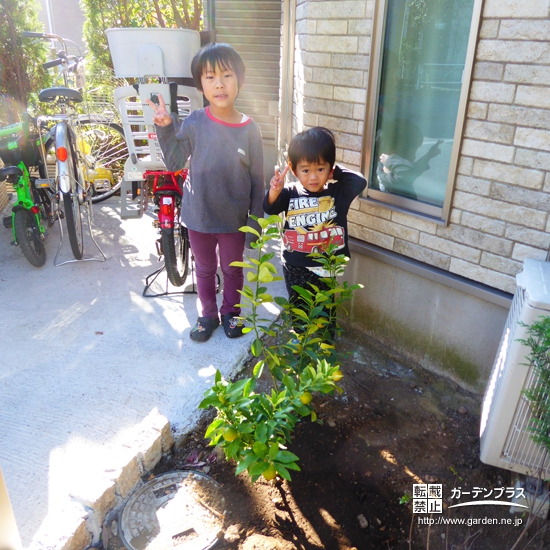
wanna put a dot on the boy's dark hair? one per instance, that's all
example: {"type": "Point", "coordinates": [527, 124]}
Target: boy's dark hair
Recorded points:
{"type": "Point", "coordinates": [313, 145]}
{"type": "Point", "coordinates": [217, 54]}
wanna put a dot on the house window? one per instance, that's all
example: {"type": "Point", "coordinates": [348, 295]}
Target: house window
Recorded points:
{"type": "Point", "coordinates": [420, 68]}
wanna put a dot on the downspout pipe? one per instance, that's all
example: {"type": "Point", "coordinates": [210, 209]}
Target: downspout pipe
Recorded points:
{"type": "Point", "coordinates": [210, 15]}
{"type": "Point", "coordinates": [209, 34]}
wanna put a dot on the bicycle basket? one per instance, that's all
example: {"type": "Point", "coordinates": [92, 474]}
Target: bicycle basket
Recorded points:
{"type": "Point", "coordinates": [14, 150]}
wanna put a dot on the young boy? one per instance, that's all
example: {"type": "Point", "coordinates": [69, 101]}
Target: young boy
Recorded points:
{"type": "Point", "coordinates": [316, 207]}
{"type": "Point", "coordinates": [225, 183]}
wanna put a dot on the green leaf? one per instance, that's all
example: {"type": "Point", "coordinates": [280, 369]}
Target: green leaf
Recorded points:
{"type": "Point", "coordinates": [236, 387]}
{"type": "Point", "coordinates": [233, 448]}
{"type": "Point", "coordinates": [265, 276]}
{"type": "Point", "coordinates": [260, 449]}
{"type": "Point", "coordinates": [259, 469]}
{"type": "Point", "coordinates": [267, 257]}
{"type": "Point", "coordinates": [256, 347]}
{"type": "Point", "coordinates": [289, 383]}
{"type": "Point", "coordinates": [258, 368]}
{"type": "Point", "coordinates": [247, 292]}
{"type": "Point", "coordinates": [303, 411]}
{"type": "Point", "coordinates": [286, 457]}
{"type": "Point", "coordinates": [273, 451]}
{"type": "Point", "coordinates": [261, 433]}
{"type": "Point", "coordinates": [307, 294]}
{"type": "Point", "coordinates": [245, 463]}
{"type": "Point", "coordinates": [248, 229]}
{"type": "Point", "coordinates": [214, 425]}
{"type": "Point", "coordinates": [300, 313]}
{"type": "Point", "coordinates": [273, 356]}
{"type": "Point", "coordinates": [210, 401]}
{"type": "Point", "coordinates": [249, 387]}
{"type": "Point", "coordinates": [274, 219]}
{"type": "Point", "coordinates": [241, 264]}
{"type": "Point", "coordinates": [282, 471]}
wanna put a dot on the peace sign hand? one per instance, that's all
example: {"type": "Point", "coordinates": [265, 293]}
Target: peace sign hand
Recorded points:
{"type": "Point", "coordinates": [161, 117]}
{"type": "Point", "coordinates": [276, 184]}
{"type": "Point", "coordinates": [278, 180]}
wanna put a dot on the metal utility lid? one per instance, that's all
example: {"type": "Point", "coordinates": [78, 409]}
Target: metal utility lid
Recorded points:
{"type": "Point", "coordinates": [181, 509]}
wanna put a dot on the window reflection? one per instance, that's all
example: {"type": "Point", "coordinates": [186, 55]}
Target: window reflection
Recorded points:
{"type": "Point", "coordinates": [422, 65]}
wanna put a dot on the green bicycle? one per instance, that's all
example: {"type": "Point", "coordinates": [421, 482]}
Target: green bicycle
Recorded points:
{"type": "Point", "coordinates": [32, 211]}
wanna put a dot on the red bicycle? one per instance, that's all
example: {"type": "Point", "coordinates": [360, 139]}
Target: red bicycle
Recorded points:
{"type": "Point", "coordinates": [173, 242]}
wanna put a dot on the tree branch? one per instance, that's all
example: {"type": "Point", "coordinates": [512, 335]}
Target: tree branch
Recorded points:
{"type": "Point", "coordinates": [160, 19]}
{"type": "Point", "coordinates": [197, 10]}
{"type": "Point", "coordinates": [177, 16]}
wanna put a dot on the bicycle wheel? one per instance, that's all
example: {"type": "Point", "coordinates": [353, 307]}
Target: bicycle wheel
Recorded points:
{"type": "Point", "coordinates": [175, 247]}
{"type": "Point", "coordinates": [107, 151]}
{"type": "Point", "coordinates": [74, 224]}
{"type": "Point", "coordinates": [71, 204]}
{"type": "Point", "coordinates": [28, 237]}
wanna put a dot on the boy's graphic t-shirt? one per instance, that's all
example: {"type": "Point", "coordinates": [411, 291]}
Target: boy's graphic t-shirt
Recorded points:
{"type": "Point", "coordinates": [314, 220]}
{"type": "Point", "coordinates": [311, 225]}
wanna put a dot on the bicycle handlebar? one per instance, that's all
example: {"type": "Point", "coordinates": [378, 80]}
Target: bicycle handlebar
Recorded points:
{"type": "Point", "coordinates": [49, 36]}
{"type": "Point", "coordinates": [51, 64]}
{"type": "Point", "coordinates": [30, 34]}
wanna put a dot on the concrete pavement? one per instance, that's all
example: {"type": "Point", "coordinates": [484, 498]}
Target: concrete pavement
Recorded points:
{"type": "Point", "coordinates": [95, 380]}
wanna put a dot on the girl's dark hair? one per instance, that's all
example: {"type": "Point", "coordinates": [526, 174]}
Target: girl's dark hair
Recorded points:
{"type": "Point", "coordinates": [313, 145]}
{"type": "Point", "coordinates": [217, 54]}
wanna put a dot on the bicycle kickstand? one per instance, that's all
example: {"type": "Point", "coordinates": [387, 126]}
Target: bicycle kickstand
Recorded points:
{"type": "Point", "coordinates": [88, 207]}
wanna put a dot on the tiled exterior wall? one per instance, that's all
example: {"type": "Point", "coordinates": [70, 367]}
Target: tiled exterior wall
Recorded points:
{"type": "Point", "coordinates": [501, 202]}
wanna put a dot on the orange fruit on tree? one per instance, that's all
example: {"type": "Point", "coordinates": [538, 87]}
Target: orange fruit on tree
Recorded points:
{"type": "Point", "coordinates": [270, 473]}
{"type": "Point", "coordinates": [230, 434]}
{"type": "Point", "coordinates": [306, 398]}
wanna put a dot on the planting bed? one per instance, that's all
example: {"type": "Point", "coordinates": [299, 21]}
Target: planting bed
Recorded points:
{"type": "Point", "coordinates": [395, 425]}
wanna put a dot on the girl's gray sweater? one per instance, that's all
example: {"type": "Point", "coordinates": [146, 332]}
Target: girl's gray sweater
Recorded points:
{"type": "Point", "coordinates": [226, 173]}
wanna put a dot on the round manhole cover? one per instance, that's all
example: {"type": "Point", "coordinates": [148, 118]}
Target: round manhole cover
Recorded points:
{"type": "Point", "coordinates": [183, 510]}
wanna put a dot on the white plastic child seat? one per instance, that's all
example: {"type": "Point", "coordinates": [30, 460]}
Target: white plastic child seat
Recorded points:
{"type": "Point", "coordinates": [139, 131]}
{"type": "Point", "coordinates": [142, 52]}
{"type": "Point", "coordinates": [148, 54]}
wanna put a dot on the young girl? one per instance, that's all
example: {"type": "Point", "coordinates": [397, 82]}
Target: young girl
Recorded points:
{"type": "Point", "coordinates": [225, 184]}
{"type": "Point", "coordinates": [315, 208]}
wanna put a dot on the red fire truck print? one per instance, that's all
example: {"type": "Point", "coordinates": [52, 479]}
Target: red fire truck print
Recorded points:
{"type": "Point", "coordinates": [313, 241]}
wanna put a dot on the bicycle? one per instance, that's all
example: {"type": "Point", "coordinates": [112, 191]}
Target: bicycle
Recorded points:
{"type": "Point", "coordinates": [20, 153]}
{"type": "Point", "coordinates": [107, 149]}
{"type": "Point", "coordinates": [147, 56]}
{"type": "Point", "coordinates": [85, 152]}
{"type": "Point", "coordinates": [173, 243]}
{"type": "Point", "coordinates": [107, 152]}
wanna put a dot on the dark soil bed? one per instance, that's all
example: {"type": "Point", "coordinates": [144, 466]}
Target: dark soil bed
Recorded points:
{"type": "Point", "coordinates": [395, 425]}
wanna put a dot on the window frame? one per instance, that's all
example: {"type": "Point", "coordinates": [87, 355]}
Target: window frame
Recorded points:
{"type": "Point", "coordinates": [395, 202]}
